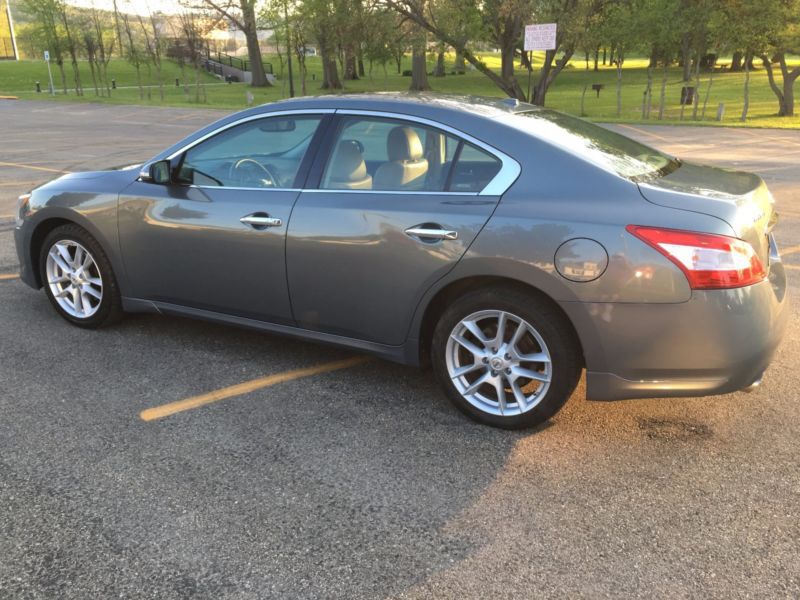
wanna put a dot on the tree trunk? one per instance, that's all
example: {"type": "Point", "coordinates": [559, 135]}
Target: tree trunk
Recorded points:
{"type": "Point", "coordinates": [583, 97]}
{"type": "Point", "coordinates": [749, 57]}
{"type": "Point", "coordinates": [784, 93]}
{"type": "Point", "coordinates": [736, 62]}
{"type": "Point", "coordinates": [94, 76]}
{"type": "Point", "coordinates": [460, 66]}
{"type": "Point", "coordinates": [63, 76]}
{"type": "Point", "coordinates": [419, 68]}
{"type": "Point", "coordinates": [746, 106]}
{"type": "Point", "coordinates": [525, 61]}
{"type": "Point", "coordinates": [619, 84]}
{"type": "Point", "coordinates": [696, 87]}
{"type": "Point", "coordinates": [507, 53]}
{"type": "Point", "coordinates": [547, 74]}
{"type": "Point", "coordinates": [653, 57]}
{"type": "Point", "coordinates": [439, 70]}
{"type": "Point", "coordinates": [596, 58]}
{"type": "Point", "coordinates": [663, 97]}
{"type": "Point", "coordinates": [350, 67]}
{"type": "Point", "coordinates": [708, 93]}
{"type": "Point", "coordinates": [686, 57]}
{"type": "Point", "coordinates": [330, 73]}
{"type": "Point", "coordinates": [259, 77]}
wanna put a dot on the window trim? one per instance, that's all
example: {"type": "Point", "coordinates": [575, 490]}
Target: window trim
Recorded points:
{"type": "Point", "coordinates": [321, 113]}
{"type": "Point", "coordinates": [509, 171]}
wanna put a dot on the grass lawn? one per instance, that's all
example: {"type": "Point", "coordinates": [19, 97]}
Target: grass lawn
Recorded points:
{"type": "Point", "coordinates": [18, 78]}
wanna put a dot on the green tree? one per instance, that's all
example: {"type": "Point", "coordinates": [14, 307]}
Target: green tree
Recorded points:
{"type": "Point", "coordinates": [782, 39]}
{"type": "Point", "coordinates": [46, 15]}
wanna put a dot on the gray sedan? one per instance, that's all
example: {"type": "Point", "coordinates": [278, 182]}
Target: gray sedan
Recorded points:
{"type": "Point", "coordinates": [507, 246]}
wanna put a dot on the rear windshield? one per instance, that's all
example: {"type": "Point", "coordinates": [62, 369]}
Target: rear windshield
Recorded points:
{"type": "Point", "coordinates": [598, 145]}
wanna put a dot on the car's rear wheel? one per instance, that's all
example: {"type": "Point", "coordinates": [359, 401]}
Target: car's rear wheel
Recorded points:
{"type": "Point", "coordinates": [505, 357]}
{"type": "Point", "coordinates": [78, 278]}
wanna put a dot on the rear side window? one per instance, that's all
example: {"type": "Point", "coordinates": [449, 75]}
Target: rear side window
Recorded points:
{"type": "Point", "coordinates": [380, 154]}
{"type": "Point", "coordinates": [473, 170]}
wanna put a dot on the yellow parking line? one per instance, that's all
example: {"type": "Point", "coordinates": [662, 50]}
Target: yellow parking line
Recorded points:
{"type": "Point", "coordinates": [166, 410]}
{"type": "Point", "coordinates": [22, 166]}
{"type": "Point", "coordinates": [790, 250]}
{"type": "Point", "coordinates": [7, 276]}
{"type": "Point", "coordinates": [27, 182]}
{"type": "Point", "coordinates": [792, 267]}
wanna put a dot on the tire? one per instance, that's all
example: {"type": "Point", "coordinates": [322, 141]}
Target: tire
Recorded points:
{"type": "Point", "coordinates": [537, 362]}
{"type": "Point", "coordinates": [94, 276]}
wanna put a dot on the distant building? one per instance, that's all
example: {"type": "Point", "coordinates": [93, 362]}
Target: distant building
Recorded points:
{"type": "Point", "coordinates": [232, 41]}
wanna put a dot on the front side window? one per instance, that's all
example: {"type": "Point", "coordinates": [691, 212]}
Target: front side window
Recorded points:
{"type": "Point", "coordinates": [389, 155]}
{"type": "Point", "coordinates": [265, 153]}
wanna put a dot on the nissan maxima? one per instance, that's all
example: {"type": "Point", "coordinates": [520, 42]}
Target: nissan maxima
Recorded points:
{"type": "Point", "coordinates": [507, 246]}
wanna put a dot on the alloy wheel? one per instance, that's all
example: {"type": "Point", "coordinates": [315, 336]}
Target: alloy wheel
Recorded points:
{"type": "Point", "coordinates": [498, 362]}
{"type": "Point", "coordinates": [74, 279]}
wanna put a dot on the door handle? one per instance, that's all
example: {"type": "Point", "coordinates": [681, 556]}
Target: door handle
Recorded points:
{"type": "Point", "coordinates": [431, 233]}
{"type": "Point", "coordinates": [261, 221]}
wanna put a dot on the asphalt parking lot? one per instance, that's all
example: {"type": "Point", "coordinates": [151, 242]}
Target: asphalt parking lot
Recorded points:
{"type": "Point", "coordinates": [323, 475]}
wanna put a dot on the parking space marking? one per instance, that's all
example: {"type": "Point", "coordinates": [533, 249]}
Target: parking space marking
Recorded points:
{"type": "Point", "coordinates": [18, 183]}
{"type": "Point", "coordinates": [790, 250]}
{"type": "Point", "coordinates": [8, 276]}
{"type": "Point", "coordinates": [650, 134]}
{"type": "Point", "coordinates": [165, 410]}
{"type": "Point", "coordinates": [35, 168]}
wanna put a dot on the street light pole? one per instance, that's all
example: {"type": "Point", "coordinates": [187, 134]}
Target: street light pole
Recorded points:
{"type": "Point", "coordinates": [288, 47]}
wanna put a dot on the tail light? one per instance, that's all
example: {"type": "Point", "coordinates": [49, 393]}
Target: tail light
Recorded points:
{"type": "Point", "coordinates": [709, 261]}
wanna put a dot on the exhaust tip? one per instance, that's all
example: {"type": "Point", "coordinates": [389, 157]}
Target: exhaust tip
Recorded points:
{"type": "Point", "coordinates": [753, 386]}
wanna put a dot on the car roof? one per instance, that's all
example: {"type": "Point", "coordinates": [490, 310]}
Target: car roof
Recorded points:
{"type": "Point", "coordinates": [407, 102]}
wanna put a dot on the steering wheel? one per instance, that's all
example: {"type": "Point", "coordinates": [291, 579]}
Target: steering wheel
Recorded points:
{"type": "Point", "coordinates": [247, 170]}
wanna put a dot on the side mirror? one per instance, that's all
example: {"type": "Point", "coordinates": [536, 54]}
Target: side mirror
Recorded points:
{"type": "Point", "coordinates": [157, 172]}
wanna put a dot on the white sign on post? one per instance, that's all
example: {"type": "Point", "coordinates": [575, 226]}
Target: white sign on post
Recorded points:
{"type": "Point", "coordinates": [540, 37]}
{"type": "Point", "coordinates": [47, 55]}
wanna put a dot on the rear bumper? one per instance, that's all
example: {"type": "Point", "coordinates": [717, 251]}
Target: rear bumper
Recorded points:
{"type": "Point", "coordinates": [718, 342]}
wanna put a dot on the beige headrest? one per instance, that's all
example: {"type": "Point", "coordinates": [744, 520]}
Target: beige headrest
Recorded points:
{"type": "Point", "coordinates": [404, 144]}
{"type": "Point", "coordinates": [348, 163]}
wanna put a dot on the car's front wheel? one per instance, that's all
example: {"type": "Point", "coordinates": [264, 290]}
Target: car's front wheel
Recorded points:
{"type": "Point", "coordinates": [505, 357]}
{"type": "Point", "coordinates": [78, 278]}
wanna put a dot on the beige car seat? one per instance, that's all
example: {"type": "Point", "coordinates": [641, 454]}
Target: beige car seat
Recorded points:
{"type": "Point", "coordinates": [347, 170]}
{"type": "Point", "coordinates": [407, 166]}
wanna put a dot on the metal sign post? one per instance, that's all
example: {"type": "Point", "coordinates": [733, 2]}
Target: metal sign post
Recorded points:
{"type": "Point", "coordinates": [538, 37]}
{"type": "Point", "coordinates": [49, 72]}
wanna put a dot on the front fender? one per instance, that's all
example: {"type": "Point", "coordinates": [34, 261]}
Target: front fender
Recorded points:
{"type": "Point", "coordinates": [95, 211]}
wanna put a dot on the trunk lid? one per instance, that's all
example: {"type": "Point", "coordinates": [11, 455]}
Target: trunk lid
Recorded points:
{"type": "Point", "coordinates": [740, 199]}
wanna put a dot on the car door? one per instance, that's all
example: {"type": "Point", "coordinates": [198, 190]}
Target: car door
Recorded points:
{"type": "Point", "coordinates": [393, 212]}
{"type": "Point", "coordinates": [214, 238]}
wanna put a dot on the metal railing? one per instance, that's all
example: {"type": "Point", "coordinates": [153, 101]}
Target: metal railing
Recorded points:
{"type": "Point", "coordinates": [236, 62]}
